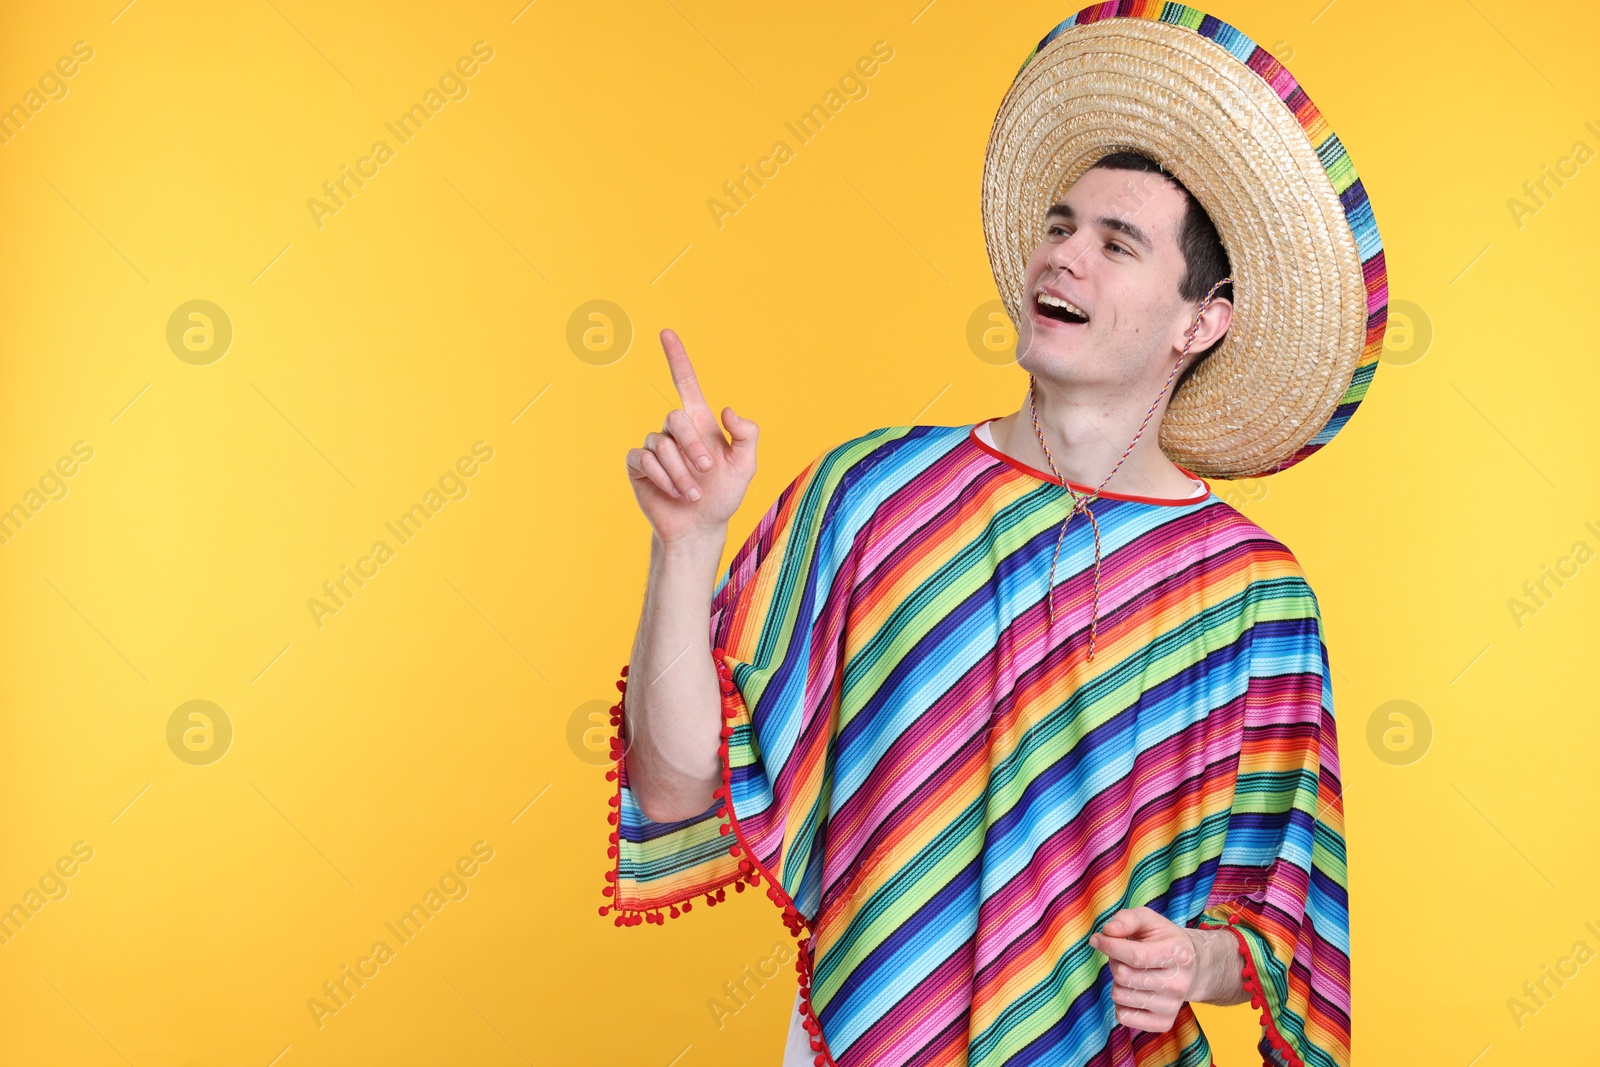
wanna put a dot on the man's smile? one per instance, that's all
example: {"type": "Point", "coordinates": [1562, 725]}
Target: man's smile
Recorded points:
{"type": "Point", "coordinates": [1053, 310]}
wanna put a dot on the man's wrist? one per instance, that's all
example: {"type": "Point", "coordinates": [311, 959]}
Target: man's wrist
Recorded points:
{"type": "Point", "coordinates": [702, 550]}
{"type": "Point", "coordinates": [1219, 967]}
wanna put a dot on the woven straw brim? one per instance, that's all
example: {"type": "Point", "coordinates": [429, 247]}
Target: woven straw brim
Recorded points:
{"type": "Point", "coordinates": [1301, 305]}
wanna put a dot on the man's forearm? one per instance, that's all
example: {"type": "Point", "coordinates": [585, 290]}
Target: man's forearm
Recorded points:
{"type": "Point", "coordinates": [673, 706]}
{"type": "Point", "coordinates": [1219, 968]}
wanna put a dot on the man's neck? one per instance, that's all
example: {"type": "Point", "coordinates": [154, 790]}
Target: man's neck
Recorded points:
{"type": "Point", "coordinates": [1086, 441]}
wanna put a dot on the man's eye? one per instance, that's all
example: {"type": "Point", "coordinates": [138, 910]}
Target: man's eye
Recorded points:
{"type": "Point", "coordinates": [1056, 228]}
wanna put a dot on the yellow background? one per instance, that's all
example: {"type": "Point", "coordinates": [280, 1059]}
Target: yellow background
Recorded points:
{"type": "Point", "coordinates": [432, 310]}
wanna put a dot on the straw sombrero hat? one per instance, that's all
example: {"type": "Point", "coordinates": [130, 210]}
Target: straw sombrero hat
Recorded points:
{"type": "Point", "coordinates": [1225, 118]}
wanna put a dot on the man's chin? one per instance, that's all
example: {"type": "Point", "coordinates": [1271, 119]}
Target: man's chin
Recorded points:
{"type": "Point", "coordinates": [1041, 354]}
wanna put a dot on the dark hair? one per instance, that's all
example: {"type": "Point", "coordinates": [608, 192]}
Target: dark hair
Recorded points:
{"type": "Point", "coordinates": [1203, 255]}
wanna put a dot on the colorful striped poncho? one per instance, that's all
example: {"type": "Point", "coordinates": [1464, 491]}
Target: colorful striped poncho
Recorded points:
{"type": "Point", "coordinates": [945, 795]}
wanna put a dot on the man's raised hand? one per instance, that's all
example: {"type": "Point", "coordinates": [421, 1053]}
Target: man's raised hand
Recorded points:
{"type": "Point", "coordinates": [688, 478]}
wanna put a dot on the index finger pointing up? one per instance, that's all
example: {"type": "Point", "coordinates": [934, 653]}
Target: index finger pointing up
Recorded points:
{"type": "Point", "coordinates": [683, 377]}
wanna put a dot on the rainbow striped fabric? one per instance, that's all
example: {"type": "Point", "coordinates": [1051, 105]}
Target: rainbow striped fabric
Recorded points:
{"type": "Point", "coordinates": [946, 796]}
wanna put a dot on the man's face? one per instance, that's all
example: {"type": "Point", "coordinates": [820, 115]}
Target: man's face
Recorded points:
{"type": "Point", "coordinates": [1110, 248]}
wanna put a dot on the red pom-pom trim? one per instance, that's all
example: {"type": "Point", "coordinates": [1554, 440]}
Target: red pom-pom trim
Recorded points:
{"type": "Point", "coordinates": [750, 868]}
{"type": "Point", "coordinates": [1258, 997]}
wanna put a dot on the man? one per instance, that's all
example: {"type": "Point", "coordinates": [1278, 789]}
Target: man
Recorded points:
{"type": "Point", "coordinates": [1028, 734]}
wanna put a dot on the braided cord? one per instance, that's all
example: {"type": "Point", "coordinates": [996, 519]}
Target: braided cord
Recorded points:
{"type": "Point", "coordinates": [1082, 502]}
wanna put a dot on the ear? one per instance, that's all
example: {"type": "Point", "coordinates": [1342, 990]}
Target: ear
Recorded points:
{"type": "Point", "coordinates": [1213, 324]}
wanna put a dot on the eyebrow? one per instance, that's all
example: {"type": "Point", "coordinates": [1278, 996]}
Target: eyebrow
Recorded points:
{"type": "Point", "coordinates": [1108, 222]}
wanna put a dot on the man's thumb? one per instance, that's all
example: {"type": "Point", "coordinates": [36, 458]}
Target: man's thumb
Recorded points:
{"type": "Point", "coordinates": [742, 430]}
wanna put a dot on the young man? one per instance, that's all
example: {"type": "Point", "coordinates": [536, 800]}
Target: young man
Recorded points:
{"type": "Point", "coordinates": [1028, 734]}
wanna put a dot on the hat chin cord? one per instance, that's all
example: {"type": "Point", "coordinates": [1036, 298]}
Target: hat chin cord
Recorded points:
{"type": "Point", "coordinates": [1081, 502]}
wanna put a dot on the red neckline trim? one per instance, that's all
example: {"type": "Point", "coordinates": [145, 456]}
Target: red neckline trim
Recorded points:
{"type": "Point", "coordinates": [1106, 494]}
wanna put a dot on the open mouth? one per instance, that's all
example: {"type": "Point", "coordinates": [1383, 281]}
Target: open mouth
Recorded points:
{"type": "Point", "coordinates": [1053, 308]}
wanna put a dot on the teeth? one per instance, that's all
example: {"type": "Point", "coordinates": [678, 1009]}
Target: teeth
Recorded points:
{"type": "Point", "coordinates": [1046, 298]}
